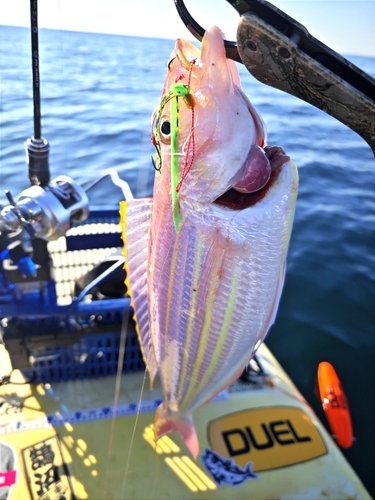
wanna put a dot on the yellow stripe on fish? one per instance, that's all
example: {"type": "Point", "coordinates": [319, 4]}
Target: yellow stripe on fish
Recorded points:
{"type": "Point", "coordinates": [223, 334]}
{"type": "Point", "coordinates": [172, 280]}
{"type": "Point", "coordinates": [204, 337]}
{"type": "Point", "coordinates": [191, 318]}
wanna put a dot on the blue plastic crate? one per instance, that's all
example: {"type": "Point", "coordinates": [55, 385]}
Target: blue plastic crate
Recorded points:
{"type": "Point", "coordinates": [94, 355]}
{"type": "Point", "coordinates": [66, 342]}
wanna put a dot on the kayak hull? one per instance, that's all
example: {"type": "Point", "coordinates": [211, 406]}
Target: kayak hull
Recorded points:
{"type": "Point", "coordinates": [258, 440]}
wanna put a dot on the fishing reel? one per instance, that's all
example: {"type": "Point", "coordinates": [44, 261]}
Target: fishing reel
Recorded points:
{"type": "Point", "coordinates": [38, 215]}
{"type": "Point", "coordinates": [46, 212]}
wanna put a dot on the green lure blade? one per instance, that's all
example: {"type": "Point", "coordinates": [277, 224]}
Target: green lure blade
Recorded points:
{"type": "Point", "coordinates": [177, 90]}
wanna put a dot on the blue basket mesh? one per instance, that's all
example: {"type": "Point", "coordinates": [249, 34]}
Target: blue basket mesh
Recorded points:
{"type": "Point", "coordinates": [83, 345]}
{"type": "Point", "coordinates": [62, 347]}
{"type": "Point", "coordinates": [95, 355]}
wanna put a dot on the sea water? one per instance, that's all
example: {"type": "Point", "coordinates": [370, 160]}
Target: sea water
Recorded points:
{"type": "Point", "coordinates": [98, 92]}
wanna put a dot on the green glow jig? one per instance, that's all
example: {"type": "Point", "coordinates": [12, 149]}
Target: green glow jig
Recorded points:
{"type": "Point", "coordinates": [177, 90]}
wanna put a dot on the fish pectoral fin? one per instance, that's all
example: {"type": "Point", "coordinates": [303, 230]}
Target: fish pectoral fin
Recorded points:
{"type": "Point", "coordinates": [135, 223]}
{"type": "Point", "coordinates": [164, 425]}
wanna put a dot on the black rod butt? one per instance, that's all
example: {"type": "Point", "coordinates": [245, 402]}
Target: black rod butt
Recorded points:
{"type": "Point", "coordinates": [37, 158]}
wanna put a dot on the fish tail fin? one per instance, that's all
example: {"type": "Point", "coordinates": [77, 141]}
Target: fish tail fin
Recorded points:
{"type": "Point", "coordinates": [164, 425]}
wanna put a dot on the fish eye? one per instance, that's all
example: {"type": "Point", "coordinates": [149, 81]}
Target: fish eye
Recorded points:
{"type": "Point", "coordinates": [165, 130]}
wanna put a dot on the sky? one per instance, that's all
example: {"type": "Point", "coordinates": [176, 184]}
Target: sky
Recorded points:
{"type": "Point", "coordinates": [347, 26]}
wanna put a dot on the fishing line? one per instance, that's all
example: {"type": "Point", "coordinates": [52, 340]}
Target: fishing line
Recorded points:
{"type": "Point", "coordinates": [120, 364]}
{"type": "Point", "coordinates": [190, 143]}
{"type": "Point", "coordinates": [133, 434]}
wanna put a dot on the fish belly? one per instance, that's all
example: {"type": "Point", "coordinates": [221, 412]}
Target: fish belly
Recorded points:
{"type": "Point", "coordinates": [214, 287]}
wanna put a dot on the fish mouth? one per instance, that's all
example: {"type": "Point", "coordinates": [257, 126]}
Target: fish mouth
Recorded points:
{"type": "Point", "coordinates": [238, 201]}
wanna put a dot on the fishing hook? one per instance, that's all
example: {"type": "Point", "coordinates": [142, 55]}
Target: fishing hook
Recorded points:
{"type": "Point", "coordinates": [197, 31]}
{"type": "Point", "coordinates": [276, 50]}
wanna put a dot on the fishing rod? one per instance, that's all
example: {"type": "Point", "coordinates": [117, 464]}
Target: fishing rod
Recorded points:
{"type": "Point", "coordinates": [37, 148]}
{"type": "Point", "coordinates": [47, 209]}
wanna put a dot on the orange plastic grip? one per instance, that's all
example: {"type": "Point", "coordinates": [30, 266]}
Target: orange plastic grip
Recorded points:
{"type": "Point", "coordinates": [335, 405]}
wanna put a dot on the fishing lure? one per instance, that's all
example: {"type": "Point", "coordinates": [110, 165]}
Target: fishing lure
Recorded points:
{"type": "Point", "coordinates": [178, 90]}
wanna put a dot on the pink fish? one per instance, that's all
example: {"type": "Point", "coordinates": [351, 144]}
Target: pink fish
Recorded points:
{"type": "Point", "coordinates": [206, 256]}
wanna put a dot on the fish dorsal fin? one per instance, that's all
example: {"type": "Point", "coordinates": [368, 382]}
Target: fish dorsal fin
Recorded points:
{"type": "Point", "coordinates": [135, 224]}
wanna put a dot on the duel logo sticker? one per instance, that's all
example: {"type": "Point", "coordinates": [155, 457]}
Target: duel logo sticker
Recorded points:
{"type": "Point", "coordinates": [269, 437]}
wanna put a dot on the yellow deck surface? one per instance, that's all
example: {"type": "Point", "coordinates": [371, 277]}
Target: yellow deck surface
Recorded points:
{"type": "Point", "coordinates": [117, 457]}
